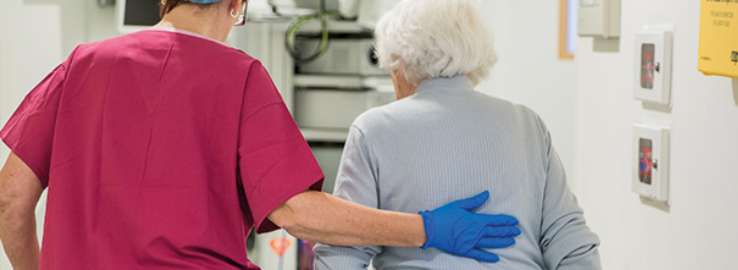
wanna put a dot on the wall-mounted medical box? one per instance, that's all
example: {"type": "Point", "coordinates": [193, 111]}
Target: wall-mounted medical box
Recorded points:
{"type": "Point", "coordinates": [650, 161]}
{"type": "Point", "coordinates": [653, 64]}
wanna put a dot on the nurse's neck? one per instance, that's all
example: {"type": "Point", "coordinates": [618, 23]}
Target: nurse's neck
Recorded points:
{"type": "Point", "coordinates": [205, 22]}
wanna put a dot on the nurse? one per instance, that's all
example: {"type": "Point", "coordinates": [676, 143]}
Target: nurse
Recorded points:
{"type": "Point", "coordinates": [164, 148]}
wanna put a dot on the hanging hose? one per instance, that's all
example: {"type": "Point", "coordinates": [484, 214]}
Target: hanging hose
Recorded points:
{"type": "Point", "coordinates": [297, 24]}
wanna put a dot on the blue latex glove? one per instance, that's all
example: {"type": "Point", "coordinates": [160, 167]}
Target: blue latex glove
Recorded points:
{"type": "Point", "coordinates": [455, 229]}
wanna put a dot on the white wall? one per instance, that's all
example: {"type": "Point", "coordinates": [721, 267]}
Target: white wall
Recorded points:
{"type": "Point", "coordinates": [699, 230]}
{"type": "Point", "coordinates": [529, 70]}
{"type": "Point", "coordinates": [35, 36]}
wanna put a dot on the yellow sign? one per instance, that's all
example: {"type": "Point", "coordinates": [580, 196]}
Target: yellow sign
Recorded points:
{"type": "Point", "coordinates": [719, 38]}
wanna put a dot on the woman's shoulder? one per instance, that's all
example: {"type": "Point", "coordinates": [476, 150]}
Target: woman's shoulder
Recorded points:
{"type": "Point", "coordinates": [502, 107]}
{"type": "Point", "coordinates": [372, 119]}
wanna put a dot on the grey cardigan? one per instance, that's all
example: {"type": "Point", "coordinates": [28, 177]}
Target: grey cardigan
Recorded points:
{"type": "Point", "coordinates": [447, 142]}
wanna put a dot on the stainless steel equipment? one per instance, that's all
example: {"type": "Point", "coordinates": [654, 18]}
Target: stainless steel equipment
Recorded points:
{"type": "Point", "coordinates": [335, 109]}
{"type": "Point", "coordinates": [348, 8]}
{"type": "Point", "coordinates": [347, 54]}
{"type": "Point", "coordinates": [105, 3]}
{"type": "Point", "coordinates": [315, 4]}
{"type": "Point", "coordinates": [329, 157]}
{"type": "Point", "coordinates": [370, 11]}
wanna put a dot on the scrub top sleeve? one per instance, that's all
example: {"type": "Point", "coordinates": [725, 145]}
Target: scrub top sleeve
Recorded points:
{"type": "Point", "coordinates": [30, 131]}
{"type": "Point", "coordinates": [275, 161]}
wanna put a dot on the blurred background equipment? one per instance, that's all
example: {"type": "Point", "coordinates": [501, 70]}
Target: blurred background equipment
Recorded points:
{"type": "Point", "coordinates": [136, 15]}
{"type": "Point", "coordinates": [349, 54]}
{"type": "Point", "coordinates": [371, 10]}
{"type": "Point", "coordinates": [105, 3]}
{"type": "Point", "coordinates": [348, 9]}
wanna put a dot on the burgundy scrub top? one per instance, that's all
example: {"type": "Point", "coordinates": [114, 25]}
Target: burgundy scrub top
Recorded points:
{"type": "Point", "coordinates": [142, 141]}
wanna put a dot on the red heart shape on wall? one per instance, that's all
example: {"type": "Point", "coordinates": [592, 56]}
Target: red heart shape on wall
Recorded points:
{"type": "Point", "coordinates": [280, 245]}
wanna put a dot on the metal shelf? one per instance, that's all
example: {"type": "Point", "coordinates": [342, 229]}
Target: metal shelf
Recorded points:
{"type": "Point", "coordinates": [334, 26]}
{"type": "Point", "coordinates": [332, 81]}
{"type": "Point", "coordinates": [324, 135]}
{"type": "Point", "coordinates": [342, 81]}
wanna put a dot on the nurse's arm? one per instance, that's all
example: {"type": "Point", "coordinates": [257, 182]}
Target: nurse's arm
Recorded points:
{"type": "Point", "coordinates": [320, 217]}
{"type": "Point", "coordinates": [20, 190]}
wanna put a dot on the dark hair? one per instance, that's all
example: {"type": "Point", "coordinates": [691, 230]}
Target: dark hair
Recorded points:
{"type": "Point", "coordinates": [166, 6]}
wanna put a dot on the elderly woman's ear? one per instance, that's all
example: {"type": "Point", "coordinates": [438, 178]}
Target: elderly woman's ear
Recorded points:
{"type": "Point", "coordinates": [403, 88]}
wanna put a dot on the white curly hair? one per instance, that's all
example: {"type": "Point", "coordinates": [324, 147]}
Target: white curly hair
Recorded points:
{"type": "Point", "coordinates": [435, 38]}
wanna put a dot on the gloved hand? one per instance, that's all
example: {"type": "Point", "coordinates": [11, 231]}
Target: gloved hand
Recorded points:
{"type": "Point", "coordinates": [455, 229]}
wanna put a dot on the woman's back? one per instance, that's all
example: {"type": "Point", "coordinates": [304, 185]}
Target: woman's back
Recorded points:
{"type": "Point", "coordinates": [446, 142]}
{"type": "Point", "coordinates": [144, 132]}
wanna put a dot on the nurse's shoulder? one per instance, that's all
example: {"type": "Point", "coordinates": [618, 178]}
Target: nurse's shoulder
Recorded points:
{"type": "Point", "coordinates": [147, 45]}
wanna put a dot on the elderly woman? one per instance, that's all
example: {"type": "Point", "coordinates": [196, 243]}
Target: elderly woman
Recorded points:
{"type": "Point", "coordinates": [443, 140]}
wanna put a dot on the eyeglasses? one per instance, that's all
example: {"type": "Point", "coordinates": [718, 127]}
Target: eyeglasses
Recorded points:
{"type": "Point", "coordinates": [241, 19]}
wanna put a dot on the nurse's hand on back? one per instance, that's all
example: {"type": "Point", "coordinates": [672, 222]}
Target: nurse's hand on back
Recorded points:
{"type": "Point", "coordinates": [153, 133]}
{"type": "Point", "coordinates": [460, 231]}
